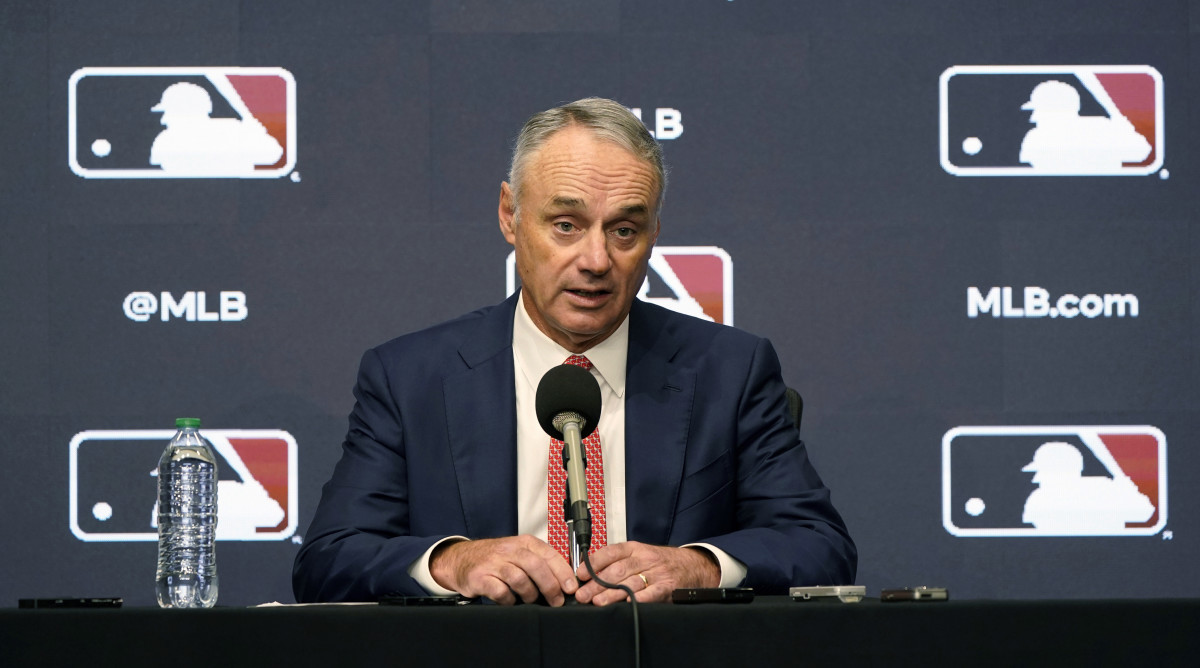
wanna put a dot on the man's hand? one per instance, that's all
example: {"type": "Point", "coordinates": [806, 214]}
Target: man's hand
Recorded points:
{"type": "Point", "coordinates": [664, 570]}
{"type": "Point", "coordinates": [504, 569]}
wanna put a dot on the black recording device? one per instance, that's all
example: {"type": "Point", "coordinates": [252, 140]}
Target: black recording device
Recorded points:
{"type": "Point", "coordinates": [425, 601]}
{"type": "Point", "coordinates": [50, 603]}
{"type": "Point", "coordinates": [713, 595]}
{"type": "Point", "coordinates": [918, 594]}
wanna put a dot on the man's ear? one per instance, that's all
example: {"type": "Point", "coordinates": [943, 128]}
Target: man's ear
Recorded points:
{"type": "Point", "coordinates": [657, 229]}
{"type": "Point", "coordinates": [508, 214]}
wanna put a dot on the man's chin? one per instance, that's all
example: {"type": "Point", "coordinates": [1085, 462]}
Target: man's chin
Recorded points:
{"type": "Point", "coordinates": [585, 331]}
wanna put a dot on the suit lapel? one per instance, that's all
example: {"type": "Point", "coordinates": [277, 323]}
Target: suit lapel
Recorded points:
{"type": "Point", "coordinates": [658, 401]}
{"type": "Point", "coordinates": [482, 426]}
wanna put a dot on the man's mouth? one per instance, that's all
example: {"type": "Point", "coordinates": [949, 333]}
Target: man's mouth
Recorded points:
{"type": "Point", "coordinates": [590, 294]}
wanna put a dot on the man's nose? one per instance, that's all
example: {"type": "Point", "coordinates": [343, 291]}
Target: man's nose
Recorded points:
{"type": "Point", "coordinates": [593, 252]}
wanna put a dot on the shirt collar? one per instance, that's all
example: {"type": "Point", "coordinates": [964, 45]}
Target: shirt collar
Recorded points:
{"type": "Point", "coordinates": [537, 353]}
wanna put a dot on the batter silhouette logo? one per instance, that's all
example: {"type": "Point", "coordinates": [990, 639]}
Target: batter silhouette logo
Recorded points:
{"type": "Point", "coordinates": [1052, 120]}
{"type": "Point", "coordinates": [182, 122]}
{"type": "Point", "coordinates": [114, 489]}
{"type": "Point", "coordinates": [694, 280]}
{"type": "Point", "coordinates": [1054, 481]}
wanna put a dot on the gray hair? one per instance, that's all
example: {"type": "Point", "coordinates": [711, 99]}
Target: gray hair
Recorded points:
{"type": "Point", "coordinates": [608, 120]}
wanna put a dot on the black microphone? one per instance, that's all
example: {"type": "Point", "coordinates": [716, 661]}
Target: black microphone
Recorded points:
{"type": "Point", "coordinates": [568, 408]}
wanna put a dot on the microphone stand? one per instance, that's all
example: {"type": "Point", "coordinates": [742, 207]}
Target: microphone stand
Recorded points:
{"type": "Point", "coordinates": [573, 543]}
{"type": "Point", "coordinates": [576, 512]}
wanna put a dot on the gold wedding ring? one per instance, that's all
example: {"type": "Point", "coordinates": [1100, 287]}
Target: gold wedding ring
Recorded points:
{"type": "Point", "coordinates": [644, 580]}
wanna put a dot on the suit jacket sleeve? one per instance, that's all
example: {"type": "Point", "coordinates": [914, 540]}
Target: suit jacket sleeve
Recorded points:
{"type": "Point", "coordinates": [359, 544]}
{"type": "Point", "coordinates": [785, 528]}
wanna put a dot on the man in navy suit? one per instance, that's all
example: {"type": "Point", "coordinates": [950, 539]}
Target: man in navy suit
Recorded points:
{"type": "Point", "coordinates": [442, 485]}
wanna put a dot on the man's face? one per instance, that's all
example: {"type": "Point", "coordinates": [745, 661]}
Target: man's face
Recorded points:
{"type": "Point", "coordinates": [588, 221]}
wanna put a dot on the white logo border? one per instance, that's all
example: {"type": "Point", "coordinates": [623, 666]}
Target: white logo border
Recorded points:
{"type": "Point", "coordinates": [218, 437]}
{"type": "Point", "coordinates": [72, 139]}
{"type": "Point", "coordinates": [1057, 430]}
{"type": "Point", "coordinates": [944, 115]}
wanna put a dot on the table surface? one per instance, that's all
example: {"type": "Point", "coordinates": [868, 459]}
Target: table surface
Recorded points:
{"type": "Point", "coordinates": [769, 631]}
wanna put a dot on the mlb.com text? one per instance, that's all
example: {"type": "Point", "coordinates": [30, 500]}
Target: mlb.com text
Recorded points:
{"type": "Point", "coordinates": [1037, 303]}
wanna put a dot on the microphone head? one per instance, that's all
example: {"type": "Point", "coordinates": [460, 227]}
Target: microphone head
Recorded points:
{"type": "Point", "coordinates": [560, 421]}
{"type": "Point", "coordinates": [568, 389]}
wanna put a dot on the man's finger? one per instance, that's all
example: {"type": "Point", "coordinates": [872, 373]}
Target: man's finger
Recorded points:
{"type": "Point", "coordinates": [609, 596]}
{"type": "Point", "coordinates": [550, 571]}
{"type": "Point", "coordinates": [505, 569]}
{"type": "Point", "coordinates": [493, 588]}
{"type": "Point", "coordinates": [547, 575]}
{"type": "Point", "coordinates": [560, 570]}
{"type": "Point", "coordinates": [655, 594]}
{"type": "Point", "coordinates": [619, 573]}
{"type": "Point", "coordinates": [603, 558]}
{"type": "Point", "coordinates": [515, 575]}
{"type": "Point", "coordinates": [538, 570]}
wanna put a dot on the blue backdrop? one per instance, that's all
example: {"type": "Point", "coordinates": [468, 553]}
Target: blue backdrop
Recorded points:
{"type": "Point", "coordinates": [829, 190]}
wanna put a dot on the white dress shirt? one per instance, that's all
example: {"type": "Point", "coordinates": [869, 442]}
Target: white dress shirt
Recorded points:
{"type": "Point", "coordinates": [534, 354]}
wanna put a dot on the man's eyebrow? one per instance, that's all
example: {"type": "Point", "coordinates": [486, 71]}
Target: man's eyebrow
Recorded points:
{"type": "Point", "coordinates": [567, 202]}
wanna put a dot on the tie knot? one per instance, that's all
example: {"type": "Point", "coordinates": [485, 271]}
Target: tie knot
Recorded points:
{"type": "Point", "coordinates": [579, 361]}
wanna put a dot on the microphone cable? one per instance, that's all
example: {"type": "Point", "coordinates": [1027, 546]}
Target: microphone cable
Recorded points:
{"type": "Point", "coordinates": [637, 627]}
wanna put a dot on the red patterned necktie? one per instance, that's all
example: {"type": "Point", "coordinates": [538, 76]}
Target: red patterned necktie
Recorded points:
{"type": "Point", "coordinates": [557, 488]}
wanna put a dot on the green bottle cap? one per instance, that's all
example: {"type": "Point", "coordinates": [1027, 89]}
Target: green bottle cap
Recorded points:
{"type": "Point", "coordinates": [183, 423]}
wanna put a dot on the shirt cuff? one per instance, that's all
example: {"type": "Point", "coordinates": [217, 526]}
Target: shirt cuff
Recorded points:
{"type": "Point", "coordinates": [733, 572]}
{"type": "Point", "coordinates": [419, 569]}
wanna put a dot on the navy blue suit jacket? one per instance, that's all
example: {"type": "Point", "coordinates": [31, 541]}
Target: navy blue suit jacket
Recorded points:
{"type": "Point", "coordinates": [711, 456]}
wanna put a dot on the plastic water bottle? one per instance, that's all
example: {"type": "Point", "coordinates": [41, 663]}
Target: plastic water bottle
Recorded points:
{"type": "Point", "coordinates": [187, 520]}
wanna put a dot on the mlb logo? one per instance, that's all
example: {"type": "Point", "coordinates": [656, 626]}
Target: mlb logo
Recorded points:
{"type": "Point", "coordinates": [114, 489]}
{"type": "Point", "coordinates": [182, 122]}
{"type": "Point", "coordinates": [1051, 120]}
{"type": "Point", "coordinates": [1054, 481]}
{"type": "Point", "coordinates": [693, 280]}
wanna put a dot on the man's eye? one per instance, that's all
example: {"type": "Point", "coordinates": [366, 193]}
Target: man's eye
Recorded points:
{"type": "Point", "coordinates": [625, 232]}
{"type": "Point", "coordinates": [564, 226]}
